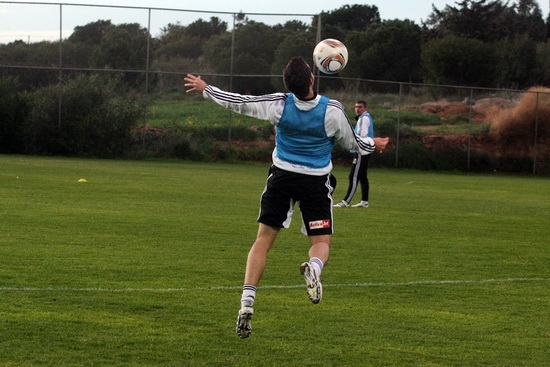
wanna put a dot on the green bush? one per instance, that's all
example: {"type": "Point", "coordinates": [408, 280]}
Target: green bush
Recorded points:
{"type": "Point", "coordinates": [204, 143]}
{"type": "Point", "coordinates": [170, 142]}
{"type": "Point", "coordinates": [224, 132]}
{"type": "Point", "coordinates": [253, 154]}
{"type": "Point", "coordinates": [514, 164]}
{"type": "Point", "coordinates": [95, 120]}
{"type": "Point", "coordinates": [414, 155]}
{"type": "Point", "coordinates": [13, 111]}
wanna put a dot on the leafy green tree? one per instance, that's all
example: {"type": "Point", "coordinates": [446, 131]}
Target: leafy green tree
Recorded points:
{"type": "Point", "coordinates": [31, 64]}
{"type": "Point", "coordinates": [13, 112]}
{"type": "Point", "coordinates": [486, 20]}
{"type": "Point", "coordinates": [254, 48]}
{"type": "Point", "coordinates": [122, 47]}
{"type": "Point", "coordinates": [529, 21]}
{"type": "Point", "coordinates": [519, 64]}
{"type": "Point", "coordinates": [217, 53]}
{"type": "Point", "coordinates": [482, 19]}
{"type": "Point", "coordinates": [178, 41]}
{"type": "Point", "coordinates": [295, 44]}
{"type": "Point", "coordinates": [204, 29]}
{"type": "Point", "coordinates": [390, 50]}
{"type": "Point", "coordinates": [83, 43]}
{"type": "Point", "coordinates": [292, 26]}
{"type": "Point", "coordinates": [510, 29]}
{"type": "Point", "coordinates": [337, 23]}
{"type": "Point", "coordinates": [454, 60]}
{"type": "Point", "coordinates": [90, 34]}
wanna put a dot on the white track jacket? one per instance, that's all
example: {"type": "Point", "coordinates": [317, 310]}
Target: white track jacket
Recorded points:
{"type": "Point", "coordinates": [307, 151]}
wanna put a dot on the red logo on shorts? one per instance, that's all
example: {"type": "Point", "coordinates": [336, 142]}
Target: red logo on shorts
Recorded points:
{"type": "Point", "coordinates": [320, 224]}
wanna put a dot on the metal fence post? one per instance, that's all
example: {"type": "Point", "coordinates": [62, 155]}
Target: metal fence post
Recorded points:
{"type": "Point", "coordinates": [147, 69]}
{"type": "Point", "coordinates": [536, 134]}
{"type": "Point", "coordinates": [317, 40]}
{"type": "Point", "coordinates": [60, 76]}
{"type": "Point", "coordinates": [399, 101]}
{"type": "Point", "coordinates": [471, 105]}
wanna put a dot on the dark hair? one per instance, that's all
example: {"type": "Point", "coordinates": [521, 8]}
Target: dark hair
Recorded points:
{"type": "Point", "coordinates": [297, 76]}
{"type": "Point", "coordinates": [364, 103]}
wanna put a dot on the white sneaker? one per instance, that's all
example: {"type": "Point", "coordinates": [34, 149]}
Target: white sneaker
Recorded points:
{"type": "Point", "coordinates": [341, 204]}
{"type": "Point", "coordinates": [244, 327]}
{"type": "Point", "coordinates": [314, 287]}
{"type": "Point", "coordinates": [361, 204]}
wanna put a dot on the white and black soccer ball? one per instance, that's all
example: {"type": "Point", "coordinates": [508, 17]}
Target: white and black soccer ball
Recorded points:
{"type": "Point", "coordinates": [330, 56]}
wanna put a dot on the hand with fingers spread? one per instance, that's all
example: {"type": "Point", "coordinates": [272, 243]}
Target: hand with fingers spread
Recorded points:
{"type": "Point", "coordinates": [380, 144]}
{"type": "Point", "coordinates": [194, 83]}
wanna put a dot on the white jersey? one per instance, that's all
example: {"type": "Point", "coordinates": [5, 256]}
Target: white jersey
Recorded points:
{"type": "Point", "coordinates": [270, 107]}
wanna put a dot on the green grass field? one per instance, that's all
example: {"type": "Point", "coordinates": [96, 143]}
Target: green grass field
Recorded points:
{"type": "Point", "coordinates": [142, 265]}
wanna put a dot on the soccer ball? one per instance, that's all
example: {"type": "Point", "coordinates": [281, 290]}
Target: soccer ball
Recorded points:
{"type": "Point", "coordinates": [330, 56]}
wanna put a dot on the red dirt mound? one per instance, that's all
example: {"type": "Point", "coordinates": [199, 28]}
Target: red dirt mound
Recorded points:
{"type": "Point", "coordinates": [513, 124]}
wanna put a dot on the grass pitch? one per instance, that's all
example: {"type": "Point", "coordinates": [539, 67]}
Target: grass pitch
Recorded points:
{"type": "Point", "coordinates": [142, 265]}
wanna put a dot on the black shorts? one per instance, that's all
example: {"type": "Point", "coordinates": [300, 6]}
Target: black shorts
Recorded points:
{"type": "Point", "coordinates": [312, 193]}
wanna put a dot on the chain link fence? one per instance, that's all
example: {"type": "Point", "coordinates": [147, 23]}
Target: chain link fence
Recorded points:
{"type": "Point", "coordinates": [477, 127]}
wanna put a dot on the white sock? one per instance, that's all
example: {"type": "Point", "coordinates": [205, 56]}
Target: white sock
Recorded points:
{"type": "Point", "coordinates": [249, 295]}
{"type": "Point", "coordinates": [317, 265]}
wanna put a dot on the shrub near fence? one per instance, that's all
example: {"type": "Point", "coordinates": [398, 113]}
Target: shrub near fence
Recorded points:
{"type": "Point", "coordinates": [94, 120]}
{"type": "Point", "coordinates": [13, 112]}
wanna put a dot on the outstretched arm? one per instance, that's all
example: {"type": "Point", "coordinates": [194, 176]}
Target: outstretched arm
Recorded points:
{"type": "Point", "coordinates": [194, 83]}
{"type": "Point", "coordinates": [265, 107]}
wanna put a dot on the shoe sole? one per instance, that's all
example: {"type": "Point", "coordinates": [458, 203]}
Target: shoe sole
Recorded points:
{"type": "Point", "coordinates": [244, 327]}
{"type": "Point", "coordinates": [314, 287]}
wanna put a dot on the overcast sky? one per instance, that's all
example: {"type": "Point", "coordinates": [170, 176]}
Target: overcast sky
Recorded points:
{"type": "Point", "coordinates": [38, 21]}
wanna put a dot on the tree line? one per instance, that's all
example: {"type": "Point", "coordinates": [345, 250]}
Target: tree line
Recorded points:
{"type": "Point", "coordinates": [479, 43]}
